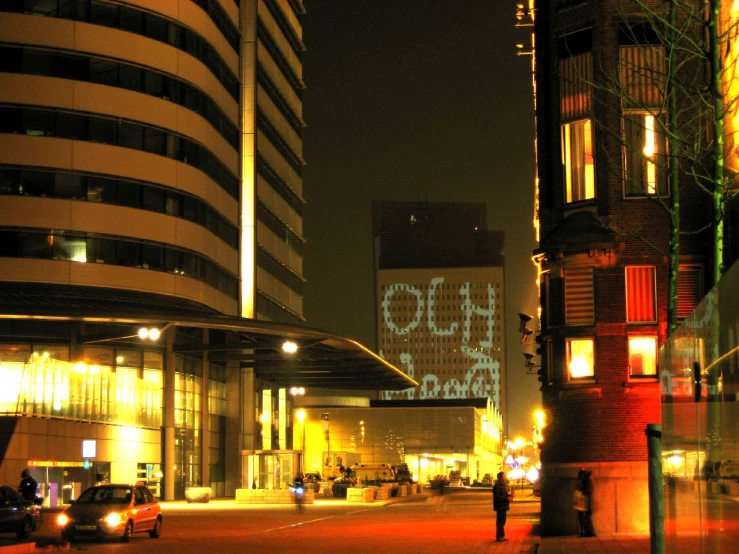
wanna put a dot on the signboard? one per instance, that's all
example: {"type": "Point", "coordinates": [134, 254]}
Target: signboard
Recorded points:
{"type": "Point", "coordinates": [89, 448]}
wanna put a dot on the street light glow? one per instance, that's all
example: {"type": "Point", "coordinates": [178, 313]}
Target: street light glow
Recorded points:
{"type": "Point", "coordinates": [290, 347]}
{"type": "Point", "coordinates": [152, 334]}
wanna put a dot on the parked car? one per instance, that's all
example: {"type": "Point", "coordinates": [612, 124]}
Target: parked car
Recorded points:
{"type": "Point", "coordinates": [17, 515]}
{"type": "Point", "coordinates": [537, 488]}
{"type": "Point", "coordinates": [106, 511]}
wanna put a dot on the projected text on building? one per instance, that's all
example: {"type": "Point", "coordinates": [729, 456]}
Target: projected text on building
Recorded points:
{"type": "Point", "coordinates": [445, 328]}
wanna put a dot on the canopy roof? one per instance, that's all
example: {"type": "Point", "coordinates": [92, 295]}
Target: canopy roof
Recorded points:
{"type": "Point", "coordinates": [322, 360]}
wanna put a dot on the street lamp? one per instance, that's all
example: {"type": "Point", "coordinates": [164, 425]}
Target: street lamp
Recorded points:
{"type": "Point", "coordinates": [289, 347]}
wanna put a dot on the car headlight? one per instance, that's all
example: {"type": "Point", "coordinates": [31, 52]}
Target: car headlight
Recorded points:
{"type": "Point", "coordinates": [113, 519]}
{"type": "Point", "coordinates": [62, 519]}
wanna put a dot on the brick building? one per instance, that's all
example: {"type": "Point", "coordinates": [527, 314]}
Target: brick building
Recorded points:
{"type": "Point", "coordinates": [602, 255]}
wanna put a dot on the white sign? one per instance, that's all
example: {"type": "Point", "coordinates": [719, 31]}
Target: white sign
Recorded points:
{"type": "Point", "coordinates": [89, 448]}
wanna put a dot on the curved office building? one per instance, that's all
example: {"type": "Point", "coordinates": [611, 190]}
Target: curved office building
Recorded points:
{"type": "Point", "coordinates": [150, 176]}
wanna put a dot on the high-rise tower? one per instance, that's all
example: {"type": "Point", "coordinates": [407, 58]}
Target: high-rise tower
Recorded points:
{"type": "Point", "coordinates": [440, 294]}
{"type": "Point", "coordinates": [152, 151]}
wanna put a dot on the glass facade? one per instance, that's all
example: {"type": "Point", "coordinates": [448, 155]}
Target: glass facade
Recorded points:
{"type": "Point", "coordinates": [431, 440]}
{"type": "Point", "coordinates": [699, 378]}
{"type": "Point", "coordinates": [39, 380]}
{"type": "Point", "coordinates": [188, 423]}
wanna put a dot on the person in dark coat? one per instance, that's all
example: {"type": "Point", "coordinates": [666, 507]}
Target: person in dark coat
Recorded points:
{"type": "Point", "coordinates": [28, 486]}
{"type": "Point", "coordinates": [585, 517]}
{"type": "Point", "coordinates": [501, 505]}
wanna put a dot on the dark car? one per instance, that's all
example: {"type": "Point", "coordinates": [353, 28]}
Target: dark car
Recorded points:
{"type": "Point", "coordinates": [537, 488]}
{"type": "Point", "coordinates": [17, 515]}
{"type": "Point", "coordinates": [112, 511]}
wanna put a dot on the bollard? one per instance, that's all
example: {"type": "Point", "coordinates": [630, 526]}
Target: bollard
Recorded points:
{"type": "Point", "coordinates": [656, 490]}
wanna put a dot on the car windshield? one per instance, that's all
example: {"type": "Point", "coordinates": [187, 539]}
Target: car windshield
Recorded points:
{"type": "Point", "coordinates": [105, 495]}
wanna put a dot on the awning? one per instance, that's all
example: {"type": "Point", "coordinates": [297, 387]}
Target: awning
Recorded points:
{"type": "Point", "coordinates": [322, 360]}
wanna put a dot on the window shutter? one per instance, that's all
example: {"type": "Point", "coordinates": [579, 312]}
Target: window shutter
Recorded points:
{"type": "Point", "coordinates": [579, 297]}
{"type": "Point", "coordinates": [640, 301]}
{"type": "Point", "coordinates": [689, 289]}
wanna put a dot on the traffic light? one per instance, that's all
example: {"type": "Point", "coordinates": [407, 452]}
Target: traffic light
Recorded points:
{"type": "Point", "coordinates": [542, 377]}
{"type": "Point", "coordinates": [540, 346]}
{"type": "Point", "coordinates": [86, 463]}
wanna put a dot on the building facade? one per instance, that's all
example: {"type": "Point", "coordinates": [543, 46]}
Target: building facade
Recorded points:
{"type": "Point", "coordinates": [155, 147]}
{"type": "Point", "coordinates": [434, 437]}
{"type": "Point", "coordinates": [150, 176]}
{"type": "Point", "coordinates": [603, 190]}
{"type": "Point", "coordinates": [440, 296]}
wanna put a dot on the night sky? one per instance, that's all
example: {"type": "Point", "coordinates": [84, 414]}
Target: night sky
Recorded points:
{"type": "Point", "coordinates": [409, 100]}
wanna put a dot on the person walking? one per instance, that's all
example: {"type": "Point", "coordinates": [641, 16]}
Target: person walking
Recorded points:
{"type": "Point", "coordinates": [583, 503]}
{"type": "Point", "coordinates": [28, 486]}
{"type": "Point", "coordinates": [501, 504]}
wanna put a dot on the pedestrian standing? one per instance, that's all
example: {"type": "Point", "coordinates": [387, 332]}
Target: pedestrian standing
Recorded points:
{"type": "Point", "coordinates": [583, 503]}
{"type": "Point", "coordinates": [501, 504]}
{"type": "Point", "coordinates": [28, 486]}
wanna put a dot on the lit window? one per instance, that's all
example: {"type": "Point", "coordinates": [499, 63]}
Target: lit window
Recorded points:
{"type": "Point", "coordinates": [640, 294]}
{"type": "Point", "coordinates": [580, 358]}
{"type": "Point", "coordinates": [642, 356]}
{"type": "Point", "coordinates": [577, 160]}
{"type": "Point", "coordinates": [645, 160]}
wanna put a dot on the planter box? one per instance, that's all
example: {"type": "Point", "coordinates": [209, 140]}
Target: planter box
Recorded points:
{"type": "Point", "coordinates": [271, 496]}
{"type": "Point", "coordinates": [383, 491]}
{"type": "Point", "coordinates": [198, 494]}
{"type": "Point", "coordinates": [360, 495]}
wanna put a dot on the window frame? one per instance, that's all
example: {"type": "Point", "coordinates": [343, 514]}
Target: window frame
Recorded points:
{"type": "Point", "coordinates": [577, 279]}
{"type": "Point", "coordinates": [654, 294]}
{"type": "Point", "coordinates": [655, 356]}
{"type": "Point", "coordinates": [568, 359]}
{"type": "Point", "coordinates": [588, 191]}
{"type": "Point", "coordinates": [639, 190]}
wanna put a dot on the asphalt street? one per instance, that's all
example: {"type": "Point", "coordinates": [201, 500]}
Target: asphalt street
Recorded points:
{"type": "Point", "coordinates": [462, 522]}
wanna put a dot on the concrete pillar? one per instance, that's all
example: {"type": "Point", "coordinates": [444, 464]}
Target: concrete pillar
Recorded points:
{"type": "Point", "coordinates": [169, 421]}
{"type": "Point", "coordinates": [205, 418]}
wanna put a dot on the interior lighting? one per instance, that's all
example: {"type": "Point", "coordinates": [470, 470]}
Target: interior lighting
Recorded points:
{"type": "Point", "coordinates": [290, 347]}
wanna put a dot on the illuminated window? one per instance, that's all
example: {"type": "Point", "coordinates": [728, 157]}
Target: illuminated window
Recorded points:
{"type": "Point", "coordinates": [645, 159]}
{"type": "Point", "coordinates": [642, 356]}
{"type": "Point", "coordinates": [577, 160]}
{"type": "Point", "coordinates": [580, 358]}
{"type": "Point", "coordinates": [575, 93]}
{"type": "Point", "coordinates": [640, 294]}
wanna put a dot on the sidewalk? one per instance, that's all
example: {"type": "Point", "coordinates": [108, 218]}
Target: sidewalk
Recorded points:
{"type": "Point", "coordinates": [603, 543]}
